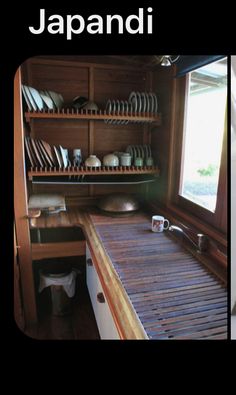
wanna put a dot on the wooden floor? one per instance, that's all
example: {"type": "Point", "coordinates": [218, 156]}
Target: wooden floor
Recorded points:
{"type": "Point", "coordinates": [79, 325]}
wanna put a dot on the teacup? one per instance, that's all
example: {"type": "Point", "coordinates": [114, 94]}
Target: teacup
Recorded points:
{"type": "Point", "coordinates": [149, 161]}
{"type": "Point", "coordinates": [158, 223]}
{"type": "Point", "coordinates": [138, 162]}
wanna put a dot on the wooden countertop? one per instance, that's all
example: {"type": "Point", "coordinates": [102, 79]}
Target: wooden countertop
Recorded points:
{"type": "Point", "coordinates": [155, 288]}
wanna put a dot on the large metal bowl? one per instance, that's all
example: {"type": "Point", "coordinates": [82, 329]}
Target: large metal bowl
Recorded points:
{"type": "Point", "coordinates": [119, 203]}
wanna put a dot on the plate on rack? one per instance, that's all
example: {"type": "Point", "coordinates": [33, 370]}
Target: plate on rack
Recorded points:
{"type": "Point", "coordinates": [30, 157]}
{"type": "Point", "coordinates": [47, 150]}
{"type": "Point", "coordinates": [41, 153]}
{"type": "Point", "coordinates": [143, 99]}
{"type": "Point", "coordinates": [37, 98]}
{"type": "Point", "coordinates": [147, 102]}
{"type": "Point", "coordinates": [108, 110]}
{"type": "Point", "coordinates": [26, 98]}
{"type": "Point", "coordinates": [152, 103]}
{"type": "Point", "coordinates": [30, 97]}
{"type": "Point", "coordinates": [58, 157]}
{"type": "Point", "coordinates": [36, 152]}
{"type": "Point", "coordinates": [57, 99]}
{"type": "Point", "coordinates": [155, 103]}
{"type": "Point", "coordinates": [133, 101]}
{"type": "Point", "coordinates": [64, 157]}
{"type": "Point", "coordinates": [47, 100]}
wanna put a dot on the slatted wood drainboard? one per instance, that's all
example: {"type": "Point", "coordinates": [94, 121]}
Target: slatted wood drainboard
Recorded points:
{"type": "Point", "coordinates": [174, 295]}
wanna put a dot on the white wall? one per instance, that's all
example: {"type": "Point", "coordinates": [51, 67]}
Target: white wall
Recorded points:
{"type": "Point", "coordinates": [233, 180]}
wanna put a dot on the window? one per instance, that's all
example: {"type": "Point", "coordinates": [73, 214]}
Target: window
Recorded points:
{"type": "Point", "coordinates": [199, 165]}
{"type": "Point", "coordinates": [203, 134]}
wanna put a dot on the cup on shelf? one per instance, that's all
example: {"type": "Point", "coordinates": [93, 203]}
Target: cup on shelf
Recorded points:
{"type": "Point", "coordinates": [138, 162]}
{"type": "Point", "coordinates": [149, 161]}
{"type": "Point", "coordinates": [77, 157]}
{"type": "Point", "coordinates": [125, 159]}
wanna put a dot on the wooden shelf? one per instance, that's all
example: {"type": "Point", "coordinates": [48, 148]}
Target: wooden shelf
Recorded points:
{"type": "Point", "coordinates": [94, 115]}
{"type": "Point", "coordinates": [90, 176]}
{"type": "Point", "coordinates": [100, 171]}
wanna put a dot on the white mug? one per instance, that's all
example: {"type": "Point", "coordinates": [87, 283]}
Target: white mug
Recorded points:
{"type": "Point", "coordinates": [158, 223]}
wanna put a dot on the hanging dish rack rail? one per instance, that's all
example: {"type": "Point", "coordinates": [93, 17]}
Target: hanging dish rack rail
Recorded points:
{"type": "Point", "coordinates": [93, 115]}
{"type": "Point", "coordinates": [84, 170]}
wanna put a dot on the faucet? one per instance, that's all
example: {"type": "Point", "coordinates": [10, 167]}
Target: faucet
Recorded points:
{"type": "Point", "coordinates": [202, 240]}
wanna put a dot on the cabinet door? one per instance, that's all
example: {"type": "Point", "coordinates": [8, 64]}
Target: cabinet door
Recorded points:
{"type": "Point", "coordinates": [104, 319]}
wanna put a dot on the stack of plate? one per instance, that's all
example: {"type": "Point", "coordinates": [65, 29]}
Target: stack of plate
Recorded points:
{"type": "Point", "coordinates": [118, 107]}
{"type": "Point", "coordinates": [39, 100]}
{"type": "Point", "coordinates": [41, 154]}
{"type": "Point", "coordinates": [143, 102]}
{"type": "Point", "coordinates": [139, 151]}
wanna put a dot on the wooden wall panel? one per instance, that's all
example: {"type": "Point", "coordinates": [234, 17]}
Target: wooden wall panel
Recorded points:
{"type": "Point", "coordinates": [163, 82]}
{"type": "Point", "coordinates": [109, 138]}
{"type": "Point", "coordinates": [67, 190]}
{"type": "Point", "coordinates": [117, 84]}
{"type": "Point", "coordinates": [69, 81]}
{"type": "Point", "coordinates": [107, 189]}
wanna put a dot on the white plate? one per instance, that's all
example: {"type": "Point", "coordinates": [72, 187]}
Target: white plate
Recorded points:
{"type": "Point", "coordinates": [31, 160]}
{"type": "Point", "coordinates": [37, 153]}
{"type": "Point", "coordinates": [147, 102]}
{"type": "Point", "coordinates": [133, 101]}
{"type": "Point", "coordinates": [64, 156]}
{"type": "Point", "coordinates": [155, 103]}
{"type": "Point", "coordinates": [108, 110]}
{"type": "Point", "coordinates": [126, 111]}
{"type": "Point", "coordinates": [56, 98]}
{"type": "Point", "coordinates": [130, 151]}
{"type": "Point", "coordinates": [41, 153]}
{"type": "Point", "coordinates": [152, 103]}
{"type": "Point", "coordinates": [118, 109]}
{"type": "Point", "coordinates": [47, 100]}
{"type": "Point", "coordinates": [31, 99]}
{"type": "Point", "coordinates": [26, 98]}
{"type": "Point", "coordinates": [58, 157]}
{"type": "Point", "coordinates": [144, 105]}
{"type": "Point", "coordinates": [139, 100]}
{"type": "Point", "coordinates": [37, 98]}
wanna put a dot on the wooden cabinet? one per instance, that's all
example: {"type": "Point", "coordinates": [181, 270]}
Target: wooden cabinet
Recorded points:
{"type": "Point", "coordinates": [105, 322]}
{"type": "Point", "coordinates": [71, 129]}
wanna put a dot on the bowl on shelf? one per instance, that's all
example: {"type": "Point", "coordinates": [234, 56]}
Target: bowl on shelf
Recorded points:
{"type": "Point", "coordinates": [110, 160]}
{"type": "Point", "coordinates": [92, 161]}
{"type": "Point", "coordinates": [90, 105]}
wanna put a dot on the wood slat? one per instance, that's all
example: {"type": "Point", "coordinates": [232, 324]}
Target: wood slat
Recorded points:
{"type": "Point", "coordinates": [173, 294]}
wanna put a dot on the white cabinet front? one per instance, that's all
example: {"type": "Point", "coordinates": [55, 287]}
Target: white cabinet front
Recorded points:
{"type": "Point", "coordinates": [105, 322]}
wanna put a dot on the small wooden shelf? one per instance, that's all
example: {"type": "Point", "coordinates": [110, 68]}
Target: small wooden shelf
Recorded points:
{"type": "Point", "coordinates": [104, 170]}
{"type": "Point", "coordinates": [94, 115]}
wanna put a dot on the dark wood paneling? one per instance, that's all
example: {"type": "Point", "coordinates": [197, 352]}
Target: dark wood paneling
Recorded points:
{"type": "Point", "coordinates": [163, 84]}
{"type": "Point", "coordinates": [116, 84]}
{"type": "Point", "coordinates": [69, 81]}
{"type": "Point", "coordinates": [109, 138]}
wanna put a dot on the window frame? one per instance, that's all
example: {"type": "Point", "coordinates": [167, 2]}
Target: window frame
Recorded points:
{"type": "Point", "coordinates": [217, 219]}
